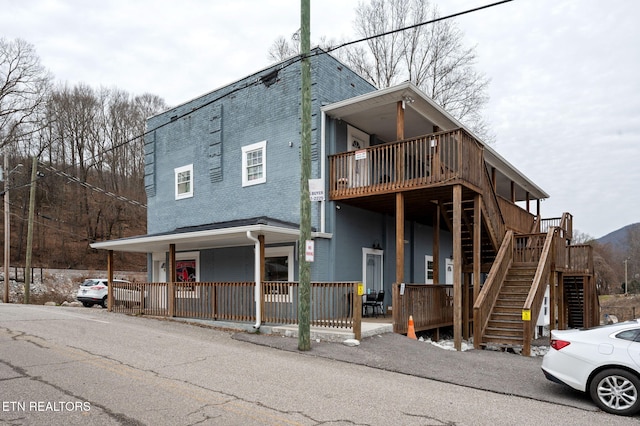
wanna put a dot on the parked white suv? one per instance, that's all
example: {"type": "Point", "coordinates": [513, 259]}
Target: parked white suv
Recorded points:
{"type": "Point", "coordinates": [94, 292]}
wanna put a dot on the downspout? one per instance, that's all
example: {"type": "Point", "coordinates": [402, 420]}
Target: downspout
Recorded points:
{"type": "Point", "coordinates": [256, 277]}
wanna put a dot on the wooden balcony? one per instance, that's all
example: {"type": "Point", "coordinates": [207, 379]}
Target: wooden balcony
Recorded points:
{"type": "Point", "coordinates": [427, 161]}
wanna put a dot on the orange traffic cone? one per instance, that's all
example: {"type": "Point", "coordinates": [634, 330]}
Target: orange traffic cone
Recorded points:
{"type": "Point", "coordinates": [412, 331]}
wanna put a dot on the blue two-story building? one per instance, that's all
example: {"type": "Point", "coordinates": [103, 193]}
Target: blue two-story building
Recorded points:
{"type": "Point", "coordinates": [404, 193]}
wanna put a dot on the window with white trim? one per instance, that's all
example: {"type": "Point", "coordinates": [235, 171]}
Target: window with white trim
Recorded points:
{"type": "Point", "coordinates": [428, 269]}
{"type": "Point", "coordinates": [254, 163]}
{"type": "Point", "coordinates": [184, 181]}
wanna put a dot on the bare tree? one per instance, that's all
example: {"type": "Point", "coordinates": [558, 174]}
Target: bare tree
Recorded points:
{"type": "Point", "coordinates": [432, 56]}
{"type": "Point", "coordinates": [24, 85]}
{"type": "Point", "coordinates": [282, 49]}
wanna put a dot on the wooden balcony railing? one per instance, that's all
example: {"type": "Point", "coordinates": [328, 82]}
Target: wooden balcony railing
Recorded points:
{"type": "Point", "coordinates": [517, 218]}
{"type": "Point", "coordinates": [563, 223]}
{"type": "Point", "coordinates": [414, 163]}
{"type": "Point", "coordinates": [332, 304]}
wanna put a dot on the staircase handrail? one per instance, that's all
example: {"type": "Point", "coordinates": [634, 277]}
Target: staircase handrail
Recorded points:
{"type": "Point", "coordinates": [538, 287]}
{"type": "Point", "coordinates": [567, 225]}
{"type": "Point", "coordinates": [495, 222]}
{"type": "Point", "coordinates": [489, 294]}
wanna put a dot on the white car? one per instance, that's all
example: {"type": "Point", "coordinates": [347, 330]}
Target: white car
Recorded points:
{"type": "Point", "coordinates": [94, 292]}
{"type": "Point", "coordinates": [603, 361]}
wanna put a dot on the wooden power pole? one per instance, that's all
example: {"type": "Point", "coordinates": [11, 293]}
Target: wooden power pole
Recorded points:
{"type": "Point", "coordinates": [304, 297]}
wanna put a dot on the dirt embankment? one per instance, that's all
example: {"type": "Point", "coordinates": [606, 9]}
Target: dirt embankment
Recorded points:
{"type": "Point", "coordinates": [624, 307]}
{"type": "Point", "coordinates": [57, 285]}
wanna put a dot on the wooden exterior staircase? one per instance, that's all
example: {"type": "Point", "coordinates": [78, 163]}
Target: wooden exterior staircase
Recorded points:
{"type": "Point", "coordinates": [504, 327]}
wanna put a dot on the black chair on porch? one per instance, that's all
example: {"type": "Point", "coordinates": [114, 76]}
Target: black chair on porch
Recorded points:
{"type": "Point", "coordinates": [375, 301]}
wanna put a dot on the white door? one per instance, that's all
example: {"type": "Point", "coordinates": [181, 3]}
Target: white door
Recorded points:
{"type": "Point", "coordinates": [358, 165]}
{"type": "Point", "coordinates": [372, 270]}
{"type": "Point", "coordinates": [449, 269]}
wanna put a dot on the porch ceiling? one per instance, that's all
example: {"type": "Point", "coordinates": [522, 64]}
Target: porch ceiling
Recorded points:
{"type": "Point", "coordinates": [204, 239]}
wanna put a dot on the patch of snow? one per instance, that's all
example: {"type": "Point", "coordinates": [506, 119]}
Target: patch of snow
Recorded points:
{"type": "Point", "coordinates": [351, 342]}
{"type": "Point", "coordinates": [448, 344]}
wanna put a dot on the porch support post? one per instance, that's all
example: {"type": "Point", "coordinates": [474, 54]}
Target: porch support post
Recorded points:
{"type": "Point", "coordinates": [477, 246]}
{"type": "Point", "coordinates": [261, 239]}
{"type": "Point", "coordinates": [400, 121]}
{"type": "Point", "coordinates": [457, 267]}
{"type": "Point", "coordinates": [399, 237]}
{"type": "Point", "coordinates": [553, 300]}
{"type": "Point", "coordinates": [562, 325]}
{"type": "Point", "coordinates": [172, 280]}
{"type": "Point", "coordinates": [466, 283]}
{"type": "Point", "coordinates": [436, 246]}
{"type": "Point", "coordinates": [110, 279]}
{"type": "Point", "coordinates": [262, 262]}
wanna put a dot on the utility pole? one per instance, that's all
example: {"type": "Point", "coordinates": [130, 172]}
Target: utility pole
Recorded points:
{"type": "Point", "coordinates": [7, 228]}
{"type": "Point", "coordinates": [7, 224]}
{"type": "Point", "coordinates": [626, 286]}
{"type": "Point", "coordinates": [304, 295]}
{"type": "Point", "coordinates": [32, 205]}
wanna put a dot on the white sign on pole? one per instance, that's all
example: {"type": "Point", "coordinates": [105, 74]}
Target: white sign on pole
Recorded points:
{"type": "Point", "coordinates": [308, 250]}
{"type": "Point", "coordinates": [316, 189]}
{"type": "Point", "coordinates": [361, 155]}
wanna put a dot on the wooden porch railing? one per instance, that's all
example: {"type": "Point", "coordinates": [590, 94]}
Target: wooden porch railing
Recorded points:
{"type": "Point", "coordinates": [489, 294]}
{"type": "Point", "coordinates": [579, 259]}
{"type": "Point", "coordinates": [332, 304]}
{"type": "Point", "coordinates": [409, 164]}
{"type": "Point", "coordinates": [431, 306]}
{"type": "Point", "coordinates": [542, 277]}
{"type": "Point", "coordinates": [563, 223]}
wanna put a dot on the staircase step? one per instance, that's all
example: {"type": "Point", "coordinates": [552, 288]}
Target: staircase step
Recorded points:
{"type": "Point", "coordinates": [504, 332]}
{"type": "Point", "coordinates": [505, 326]}
{"type": "Point", "coordinates": [503, 340]}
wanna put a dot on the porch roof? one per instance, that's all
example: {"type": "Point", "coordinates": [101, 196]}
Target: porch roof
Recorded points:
{"type": "Point", "coordinates": [375, 113]}
{"type": "Point", "coordinates": [216, 235]}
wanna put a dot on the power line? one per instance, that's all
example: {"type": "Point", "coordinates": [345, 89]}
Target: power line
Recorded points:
{"type": "Point", "coordinates": [285, 64]}
{"type": "Point", "coordinates": [93, 187]}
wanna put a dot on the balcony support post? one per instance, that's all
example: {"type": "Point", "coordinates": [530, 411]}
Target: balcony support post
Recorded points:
{"type": "Point", "coordinates": [457, 267]}
{"type": "Point", "coordinates": [399, 237]}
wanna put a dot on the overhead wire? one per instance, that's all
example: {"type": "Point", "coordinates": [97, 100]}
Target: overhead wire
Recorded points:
{"type": "Point", "coordinates": [285, 64]}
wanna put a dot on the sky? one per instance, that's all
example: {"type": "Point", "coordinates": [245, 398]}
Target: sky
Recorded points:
{"type": "Point", "coordinates": [565, 74]}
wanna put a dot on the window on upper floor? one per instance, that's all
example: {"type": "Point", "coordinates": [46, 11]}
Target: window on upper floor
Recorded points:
{"type": "Point", "coordinates": [254, 163]}
{"type": "Point", "coordinates": [184, 181]}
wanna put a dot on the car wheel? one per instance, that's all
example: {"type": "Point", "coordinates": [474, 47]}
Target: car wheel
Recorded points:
{"type": "Point", "coordinates": [105, 302]}
{"type": "Point", "coordinates": [87, 304]}
{"type": "Point", "coordinates": [616, 391]}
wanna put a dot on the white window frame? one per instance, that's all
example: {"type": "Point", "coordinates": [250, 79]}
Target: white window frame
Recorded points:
{"type": "Point", "coordinates": [245, 167]}
{"type": "Point", "coordinates": [176, 173]}
{"type": "Point", "coordinates": [428, 259]}
{"type": "Point", "coordinates": [189, 255]}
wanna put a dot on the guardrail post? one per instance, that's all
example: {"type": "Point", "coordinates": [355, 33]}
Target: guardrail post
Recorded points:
{"type": "Point", "coordinates": [357, 312]}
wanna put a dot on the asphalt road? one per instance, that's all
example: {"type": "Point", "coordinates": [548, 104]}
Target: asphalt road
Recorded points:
{"type": "Point", "coordinates": [89, 367]}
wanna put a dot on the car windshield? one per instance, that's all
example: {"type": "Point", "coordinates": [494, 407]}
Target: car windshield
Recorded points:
{"type": "Point", "coordinates": [90, 283]}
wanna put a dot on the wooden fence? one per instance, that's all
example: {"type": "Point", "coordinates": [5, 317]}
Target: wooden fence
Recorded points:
{"type": "Point", "coordinates": [431, 306]}
{"type": "Point", "coordinates": [332, 304]}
